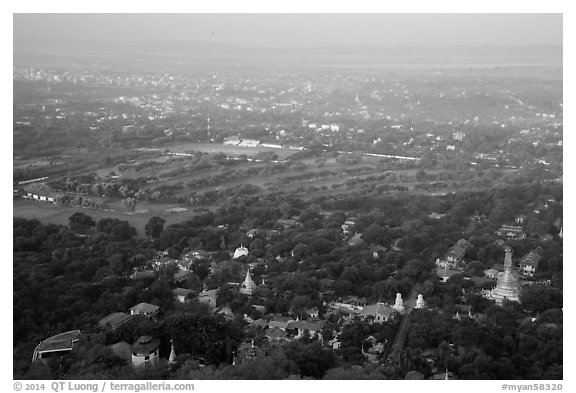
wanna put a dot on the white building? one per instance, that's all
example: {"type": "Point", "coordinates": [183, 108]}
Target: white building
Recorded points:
{"type": "Point", "coordinates": [458, 136]}
{"type": "Point", "coordinates": [240, 252]}
{"type": "Point", "coordinates": [149, 310]}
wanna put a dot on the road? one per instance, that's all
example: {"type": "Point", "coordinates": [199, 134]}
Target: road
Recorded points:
{"type": "Point", "coordinates": [393, 355]}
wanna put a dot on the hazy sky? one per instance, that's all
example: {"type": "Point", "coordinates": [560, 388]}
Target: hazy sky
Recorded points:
{"type": "Point", "coordinates": [287, 30]}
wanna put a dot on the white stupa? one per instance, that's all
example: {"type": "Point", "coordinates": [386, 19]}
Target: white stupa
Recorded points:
{"type": "Point", "coordinates": [240, 252]}
{"type": "Point", "coordinates": [248, 286]}
{"type": "Point", "coordinates": [172, 358]}
{"type": "Point", "coordinates": [507, 287]}
{"type": "Point", "coordinates": [420, 301]}
{"type": "Point", "coordinates": [399, 304]}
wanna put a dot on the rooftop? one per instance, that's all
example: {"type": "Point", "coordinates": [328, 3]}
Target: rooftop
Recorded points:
{"type": "Point", "coordinates": [145, 308]}
{"type": "Point", "coordinates": [211, 293]}
{"type": "Point", "coordinates": [304, 325]}
{"type": "Point", "coordinates": [531, 259]}
{"type": "Point", "coordinates": [145, 345]}
{"type": "Point", "coordinates": [60, 342]}
{"type": "Point", "coordinates": [377, 309]}
{"type": "Point", "coordinates": [182, 291]}
{"type": "Point", "coordinates": [259, 322]}
{"type": "Point", "coordinates": [114, 319]}
{"type": "Point", "coordinates": [275, 333]}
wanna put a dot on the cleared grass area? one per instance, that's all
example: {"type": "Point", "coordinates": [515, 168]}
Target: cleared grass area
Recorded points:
{"type": "Point", "coordinates": [59, 214]}
{"type": "Point", "coordinates": [228, 149]}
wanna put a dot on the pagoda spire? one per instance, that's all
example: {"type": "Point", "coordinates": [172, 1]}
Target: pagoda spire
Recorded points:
{"type": "Point", "coordinates": [248, 276]}
{"type": "Point", "coordinates": [172, 358]}
{"type": "Point", "coordinates": [508, 259]}
{"type": "Point", "coordinates": [248, 286]}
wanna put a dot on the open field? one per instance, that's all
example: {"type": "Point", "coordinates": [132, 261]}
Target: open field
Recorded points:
{"type": "Point", "coordinates": [228, 149]}
{"type": "Point", "coordinates": [59, 214]}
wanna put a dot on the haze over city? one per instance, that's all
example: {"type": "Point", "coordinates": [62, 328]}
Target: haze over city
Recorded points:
{"type": "Point", "coordinates": [298, 30]}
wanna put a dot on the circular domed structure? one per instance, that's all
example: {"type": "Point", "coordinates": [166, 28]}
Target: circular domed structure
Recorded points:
{"type": "Point", "coordinates": [145, 352]}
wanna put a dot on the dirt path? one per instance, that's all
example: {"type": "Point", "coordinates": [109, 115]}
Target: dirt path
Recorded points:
{"type": "Point", "coordinates": [398, 344]}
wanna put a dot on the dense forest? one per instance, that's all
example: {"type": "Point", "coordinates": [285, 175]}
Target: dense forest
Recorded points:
{"type": "Point", "coordinates": [69, 277]}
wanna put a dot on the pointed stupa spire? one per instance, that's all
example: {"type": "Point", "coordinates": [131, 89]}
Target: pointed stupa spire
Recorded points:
{"type": "Point", "coordinates": [172, 358]}
{"type": "Point", "coordinates": [248, 276]}
{"type": "Point", "coordinates": [248, 286]}
{"type": "Point", "coordinates": [508, 259]}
